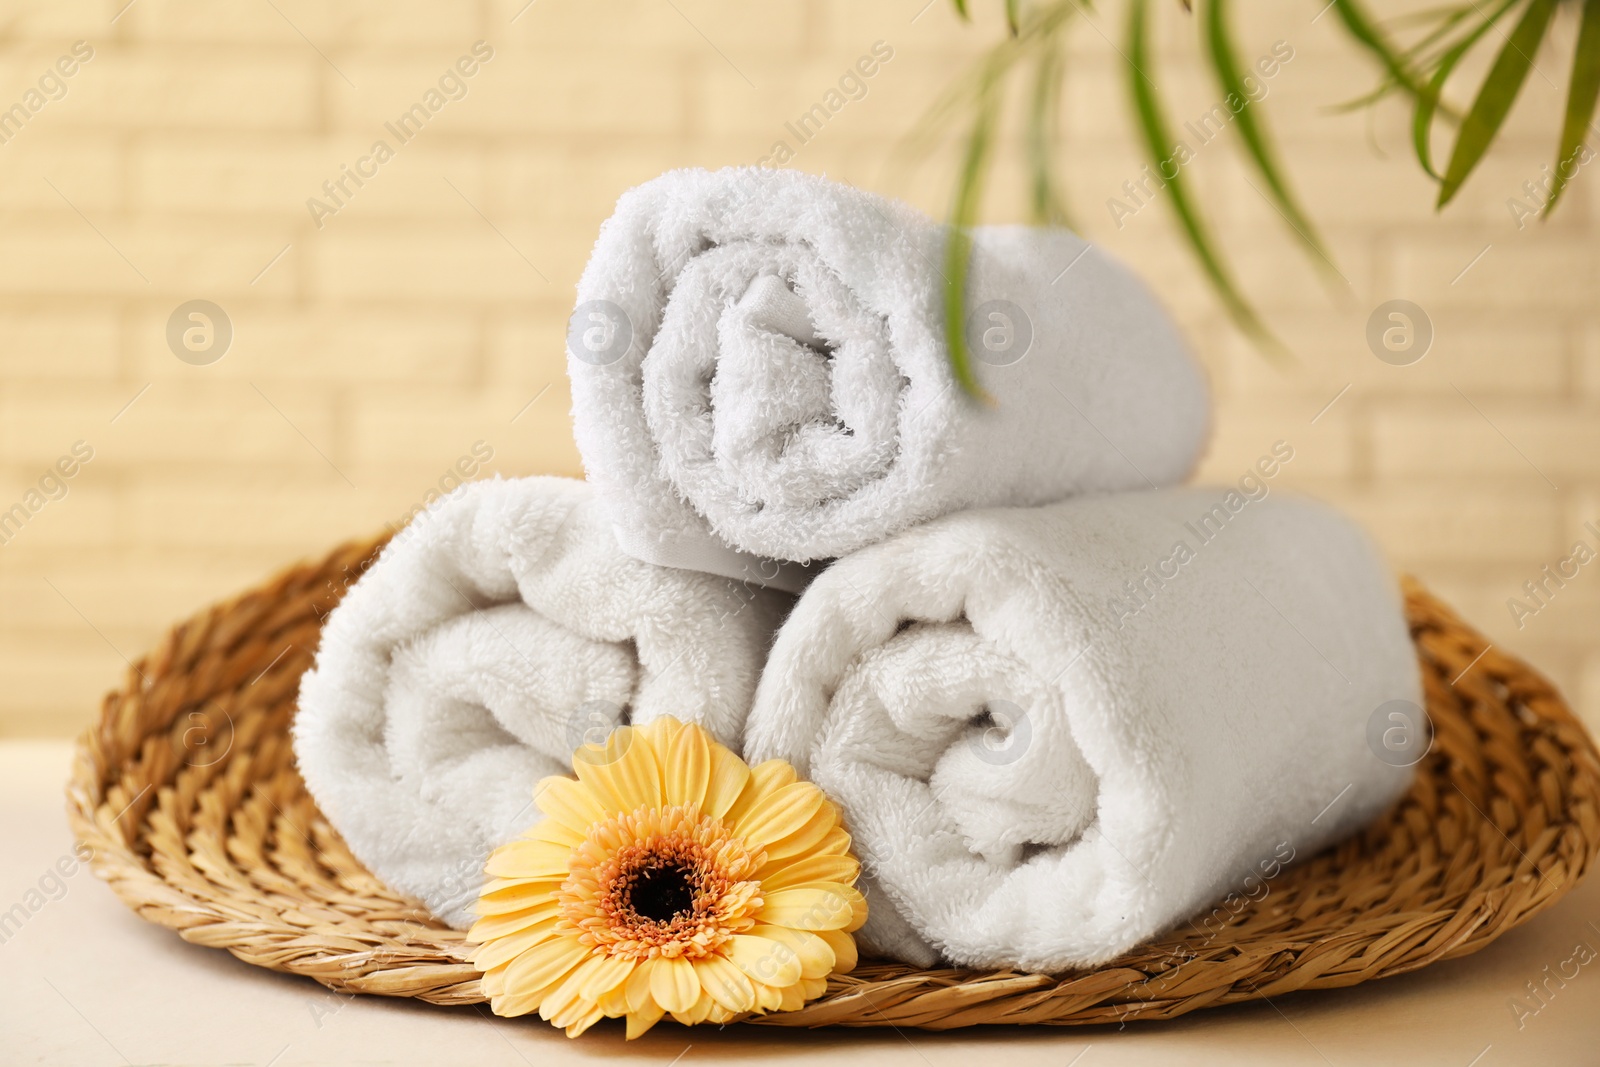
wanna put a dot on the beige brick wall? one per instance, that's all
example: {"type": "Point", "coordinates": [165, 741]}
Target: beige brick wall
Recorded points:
{"type": "Point", "coordinates": [371, 352]}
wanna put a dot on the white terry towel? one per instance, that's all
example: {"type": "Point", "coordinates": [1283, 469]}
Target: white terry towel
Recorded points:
{"type": "Point", "coordinates": [759, 372]}
{"type": "Point", "coordinates": [497, 633]}
{"type": "Point", "coordinates": [1055, 733]}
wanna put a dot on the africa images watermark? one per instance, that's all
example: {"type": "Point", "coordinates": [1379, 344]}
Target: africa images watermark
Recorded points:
{"type": "Point", "coordinates": [1204, 129]}
{"type": "Point", "coordinates": [52, 485]}
{"type": "Point", "coordinates": [1551, 981]}
{"type": "Point", "coordinates": [852, 85]}
{"type": "Point", "coordinates": [466, 467]}
{"type": "Point", "coordinates": [50, 886]}
{"type": "Point", "coordinates": [1537, 192]}
{"type": "Point", "coordinates": [51, 86]}
{"type": "Point", "coordinates": [1252, 485]}
{"type": "Point", "coordinates": [452, 85]}
{"type": "Point", "coordinates": [1541, 589]}
{"type": "Point", "coordinates": [1253, 889]}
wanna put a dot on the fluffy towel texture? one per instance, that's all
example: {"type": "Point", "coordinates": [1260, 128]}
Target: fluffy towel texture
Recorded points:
{"type": "Point", "coordinates": [493, 636]}
{"type": "Point", "coordinates": [1042, 767]}
{"type": "Point", "coordinates": [759, 372]}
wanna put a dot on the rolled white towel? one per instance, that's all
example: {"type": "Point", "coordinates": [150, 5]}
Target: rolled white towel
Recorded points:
{"type": "Point", "coordinates": [759, 372]}
{"type": "Point", "coordinates": [1056, 732]}
{"type": "Point", "coordinates": [497, 633]}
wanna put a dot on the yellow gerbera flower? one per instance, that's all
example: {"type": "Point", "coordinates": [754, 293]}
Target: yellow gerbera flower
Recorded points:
{"type": "Point", "coordinates": [669, 877]}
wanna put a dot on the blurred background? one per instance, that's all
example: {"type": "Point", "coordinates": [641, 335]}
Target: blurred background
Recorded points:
{"type": "Point", "coordinates": [397, 317]}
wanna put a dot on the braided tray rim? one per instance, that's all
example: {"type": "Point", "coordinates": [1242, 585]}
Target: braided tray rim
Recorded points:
{"type": "Point", "coordinates": [185, 789]}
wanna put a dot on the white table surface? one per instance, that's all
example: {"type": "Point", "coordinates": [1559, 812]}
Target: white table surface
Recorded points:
{"type": "Point", "coordinates": [84, 981]}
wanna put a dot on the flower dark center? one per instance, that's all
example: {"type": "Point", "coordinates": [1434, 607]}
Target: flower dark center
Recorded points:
{"type": "Point", "coordinates": [661, 894]}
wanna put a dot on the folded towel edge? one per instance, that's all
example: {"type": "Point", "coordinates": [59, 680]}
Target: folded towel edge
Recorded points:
{"type": "Point", "coordinates": [688, 550]}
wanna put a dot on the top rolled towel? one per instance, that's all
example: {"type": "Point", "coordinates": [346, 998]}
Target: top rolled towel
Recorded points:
{"type": "Point", "coordinates": [1055, 732]}
{"type": "Point", "coordinates": [497, 633]}
{"type": "Point", "coordinates": [759, 372]}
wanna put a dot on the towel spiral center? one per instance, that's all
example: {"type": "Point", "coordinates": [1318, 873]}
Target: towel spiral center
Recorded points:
{"type": "Point", "coordinates": [769, 385]}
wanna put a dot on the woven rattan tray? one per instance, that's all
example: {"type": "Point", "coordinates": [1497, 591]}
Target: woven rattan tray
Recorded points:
{"type": "Point", "coordinates": [187, 793]}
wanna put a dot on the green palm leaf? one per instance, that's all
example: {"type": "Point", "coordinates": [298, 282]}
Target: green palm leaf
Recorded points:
{"type": "Point", "coordinates": [1414, 55]}
{"type": "Point", "coordinates": [1495, 96]}
{"type": "Point", "coordinates": [1360, 26]}
{"type": "Point", "coordinates": [980, 93]}
{"type": "Point", "coordinates": [1043, 127]}
{"type": "Point", "coordinates": [1225, 64]}
{"type": "Point", "coordinates": [1581, 96]}
{"type": "Point", "coordinates": [1428, 102]}
{"type": "Point", "coordinates": [1158, 140]}
{"type": "Point", "coordinates": [958, 247]}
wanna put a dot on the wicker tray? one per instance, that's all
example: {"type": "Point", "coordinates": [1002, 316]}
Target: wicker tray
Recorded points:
{"type": "Point", "coordinates": [186, 791]}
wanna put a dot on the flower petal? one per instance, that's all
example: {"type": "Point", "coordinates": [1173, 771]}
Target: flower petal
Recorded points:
{"type": "Point", "coordinates": [844, 950]}
{"type": "Point", "coordinates": [831, 907]}
{"type": "Point", "coordinates": [567, 801]}
{"type": "Point", "coordinates": [810, 868]}
{"type": "Point", "coordinates": [608, 750]}
{"type": "Point", "coordinates": [491, 927]}
{"type": "Point", "coordinates": [858, 905]}
{"type": "Point", "coordinates": [674, 985]}
{"type": "Point", "coordinates": [502, 950]}
{"type": "Point", "coordinates": [642, 1019]}
{"type": "Point", "coordinates": [529, 859]}
{"type": "Point", "coordinates": [502, 895]}
{"type": "Point", "coordinates": [726, 983]}
{"type": "Point", "coordinates": [727, 778]}
{"type": "Point", "coordinates": [806, 837]}
{"type": "Point", "coordinates": [816, 955]}
{"type": "Point", "coordinates": [661, 730]}
{"type": "Point", "coordinates": [615, 1002]}
{"type": "Point", "coordinates": [510, 1005]}
{"type": "Point", "coordinates": [794, 998]}
{"type": "Point", "coordinates": [613, 972]}
{"type": "Point", "coordinates": [765, 779]}
{"type": "Point", "coordinates": [565, 1003]}
{"type": "Point", "coordinates": [768, 997]}
{"type": "Point", "coordinates": [554, 832]}
{"type": "Point", "coordinates": [687, 766]}
{"type": "Point", "coordinates": [697, 1012]}
{"type": "Point", "coordinates": [594, 1015]}
{"type": "Point", "coordinates": [638, 986]}
{"type": "Point", "coordinates": [543, 966]}
{"type": "Point", "coordinates": [779, 815]}
{"type": "Point", "coordinates": [836, 843]}
{"type": "Point", "coordinates": [493, 982]}
{"type": "Point", "coordinates": [626, 781]}
{"type": "Point", "coordinates": [766, 961]}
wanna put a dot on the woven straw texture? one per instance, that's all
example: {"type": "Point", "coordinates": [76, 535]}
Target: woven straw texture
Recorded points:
{"type": "Point", "coordinates": [187, 793]}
